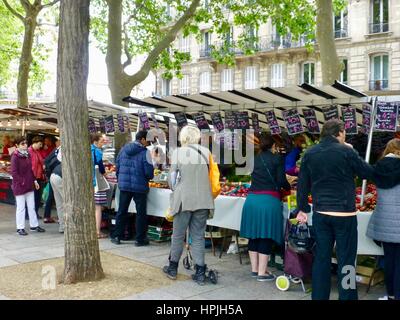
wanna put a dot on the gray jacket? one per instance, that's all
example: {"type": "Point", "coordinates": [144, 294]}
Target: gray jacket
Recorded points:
{"type": "Point", "coordinates": [384, 224]}
{"type": "Point", "coordinates": [192, 191]}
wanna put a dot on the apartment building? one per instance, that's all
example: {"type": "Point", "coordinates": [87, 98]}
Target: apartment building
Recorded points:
{"type": "Point", "coordinates": [367, 35]}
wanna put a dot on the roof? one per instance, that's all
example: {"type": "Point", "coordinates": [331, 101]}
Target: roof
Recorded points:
{"type": "Point", "coordinates": [260, 100]}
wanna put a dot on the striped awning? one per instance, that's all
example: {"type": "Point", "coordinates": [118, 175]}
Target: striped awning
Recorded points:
{"type": "Point", "coordinates": [259, 100]}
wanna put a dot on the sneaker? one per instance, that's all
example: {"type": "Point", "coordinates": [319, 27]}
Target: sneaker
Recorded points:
{"type": "Point", "coordinates": [142, 243]}
{"type": "Point", "coordinates": [115, 240]}
{"type": "Point", "coordinates": [22, 232]}
{"type": "Point", "coordinates": [266, 277]}
{"type": "Point", "coordinates": [38, 229]}
{"type": "Point", "coordinates": [254, 274]}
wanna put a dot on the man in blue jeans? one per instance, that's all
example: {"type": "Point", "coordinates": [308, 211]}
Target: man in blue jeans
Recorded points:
{"type": "Point", "coordinates": [328, 171]}
{"type": "Point", "coordinates": [134, 171]}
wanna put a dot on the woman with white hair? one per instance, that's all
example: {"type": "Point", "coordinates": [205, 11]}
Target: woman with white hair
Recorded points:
{"type": "Point", "coordinates": [191, 201]}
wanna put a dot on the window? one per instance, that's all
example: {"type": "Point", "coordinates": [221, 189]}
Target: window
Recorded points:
{"type": "Point", "coordinates": [184, 85]}
{"type": "Point", "coordinates": [379, 16]}
{"type": "Point", "coordinates": [229, 37]}
{"type": "Point", "coordinates": [340, 24]}
{"type": "Point", "coordinates": [277, 78]}
{"type": "Point", "coordinates": [252, 37]}
{"type": "Point", "coordinates": [205, 50]}
{"type": "Point", "coordinates": [308, 73]}
{"type": "Point", "coordinates": [166, 87]}
{"type": "Point", "coordinates": [205, 81]}
{"type": "Point", "coordinates": [251, 77]}
{"type": "Point", "coordinates": [184, 44]}
{"type": "Point", "coordinates": [280, 41]}
{"type": "Point", "coordinates": [379, 72]}
{"type": "Point", "coordinates": [343, 75]}
{"type": "Point", "coordinates": [227, 79]}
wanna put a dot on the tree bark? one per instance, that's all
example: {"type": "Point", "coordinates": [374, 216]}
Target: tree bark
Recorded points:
{"type": "Point", "coordinates": [331, 65]}
{"type": "Point", "coordinates": [26, 57]}
{"type": "Point", "coordinates": [82, 256]}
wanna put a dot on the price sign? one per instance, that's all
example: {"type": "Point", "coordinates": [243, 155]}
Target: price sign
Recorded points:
{"type": "Point", "coordinates": [102, 123]}
{"type": "Point", "coordinates": [366, 116]}
{"type": "Point", "coordinates": [153, 118]}
{"type": "Point", "coordinates": [256, 122]}
{"type": "Point", "coordinates": [292, 121]}
{"type": "Point", "coordinates": [217, 121]}
{"type": "Point", "coordinates": [110, 124]}
{"type": "Point", "coordinates": [181, 119]}
{"type": "Point", "coordinates": [311, 121]}
{"type": "Point", "coordinates": [201, 121]}
{"type": "Point", "coordinates": [144, 121]}
{"type": "Point", "coordinates": [91, 126]}
{"type": "Point", "coordinates": [330, 113]}
{"type": "Point", "coordinates": [386, 116]}
{"type": "Point", "coordinates": [127, 123]}
{"type": "Point", "coordinates": [273, 122]}
{"type": "Point", "coordinates": [231, 140]}
{"type": "Point", "coordinates": [121, 124]}
{"type": "Point", "coordinates": [350, 120]}
{"type": "Point", "coordinates": [242, 120]}
{"type": "Point", "coordinates": [230, 120]}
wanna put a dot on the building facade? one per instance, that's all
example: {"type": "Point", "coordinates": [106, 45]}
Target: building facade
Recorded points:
{"type": "Point", "coordinates": [367, 37]}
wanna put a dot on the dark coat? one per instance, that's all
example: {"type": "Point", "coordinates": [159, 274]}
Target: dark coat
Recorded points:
{"type": "Point", "coordinates": [133, 170]}
{"type": "Point", "coordinates": [22, 174]}
{"type": "Point", "coordinates": [328, 171]}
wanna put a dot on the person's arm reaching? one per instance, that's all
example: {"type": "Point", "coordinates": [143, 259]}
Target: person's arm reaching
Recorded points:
{"type": "Point", "coordinates": [361, 168]}
{"type": "Point", "coordinates": [281, 175]}
{"type": "Point", "coordinates": [303, 189]}
{"type": "Point", "coordinates": [148, 167]}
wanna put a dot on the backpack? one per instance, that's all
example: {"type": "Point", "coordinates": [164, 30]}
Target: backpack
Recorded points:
{"type": "Point", "coordinates": [50, 163]}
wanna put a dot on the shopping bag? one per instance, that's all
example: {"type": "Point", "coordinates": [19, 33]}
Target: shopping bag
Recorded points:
{"type": "Point", "coordinates": [213, 173]}
{"type": "Point", "coordinates": [168, 215]}
{"type": "Point", "coordinates": [101, 182]}
{"type": "Point", "coordinates": [45, 193]}
{"type": "Point", "coordinates": [299, 238]}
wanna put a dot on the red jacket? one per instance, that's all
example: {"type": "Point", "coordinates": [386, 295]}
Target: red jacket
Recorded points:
{"type": "Point", "coordinates": [37, 163]}
{"type": "Point", "coordinates": [46, 152]}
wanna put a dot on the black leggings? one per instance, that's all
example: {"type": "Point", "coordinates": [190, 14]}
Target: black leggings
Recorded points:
{"type": "Point", "coordinates": [392, 268]}
{"type": "Point", "coordinates": [263, 246]}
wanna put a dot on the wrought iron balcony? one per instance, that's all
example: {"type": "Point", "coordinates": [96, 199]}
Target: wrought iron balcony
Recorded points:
{"type": "Point", "coordinates": [340, 33]}
{"type": "Point", "coordinates": [378, 27]}
{"type": "Point", "coordinates": [205, 52]}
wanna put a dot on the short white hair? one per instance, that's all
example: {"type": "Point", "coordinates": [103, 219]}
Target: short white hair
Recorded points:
{"type": "Point", "coordinates": [189, 135]}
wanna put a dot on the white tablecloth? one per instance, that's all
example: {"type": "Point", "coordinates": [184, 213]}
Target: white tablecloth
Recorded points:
{"type": "Point", "coordinates": [228, 214]}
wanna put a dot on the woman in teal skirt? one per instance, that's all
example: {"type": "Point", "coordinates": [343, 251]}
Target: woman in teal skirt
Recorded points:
{"type": "Point", "coordinates": [262, 220]}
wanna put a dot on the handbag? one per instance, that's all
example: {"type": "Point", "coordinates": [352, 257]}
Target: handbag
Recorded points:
{"type": "Point", "coordinates": [213, 173]}
{"type": "Point", "coordinates": [299, 238]}
{"type": "Point", "coordinates": [45, 194]}
{"type": "Point", "coordinates": [101, 182]}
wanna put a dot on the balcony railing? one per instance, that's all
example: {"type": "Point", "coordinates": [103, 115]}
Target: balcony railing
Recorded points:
{"type": "Point", "coordinates": [205, 52]}
{"type": "Point", "coordinates": [378, 27]}
{"type": "Point", "coordinates": [340, 33]}
{"type": "Point", "coordinates": [377, 85]}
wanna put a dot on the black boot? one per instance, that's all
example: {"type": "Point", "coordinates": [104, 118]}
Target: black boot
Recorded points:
{"type": "Point", "coordinates": [171, 270]}
{"type": "Point", "coordinates": [200, 275]}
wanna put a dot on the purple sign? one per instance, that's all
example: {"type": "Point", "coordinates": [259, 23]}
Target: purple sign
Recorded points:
{"type": "Point", "coordinates": [127, 123]}
{"type": "Point", "coordinates": [350, 120]}
{"type": "Point", "coordinates": [386, 116]}
{"type": "Point", "coordinates": [110, 124]}
{"type": "Point", "coordinates": [231, 140]}
{"type": "Point", "coordinates": [273, 122]}
{"type": "Point", "coordinates": [153, 118]}
{"type": "Point", "coordinates": [330, 113]}
{"type": "Point", "coordinates": [311, 121]}
{"type": "Point", "coordinates": [144, 121]}
{"type": "Point", "coordinates": [366, 116]}
{"type": "Point", "coordinates": [292, 121]}
{"type": "Point", "coordinates": [121, 124]}
{"type": "Point", "coordinates": [242, 120]}
{"type": "Point", "coordinates": [181, 119]}
{"type": "Point", "coordinates": [217, 121]}
{"type": "Point", "coordinates": [256, 122]}
{"type": "Point", "coordinates": [102, 124]}
{"type": "Point", "coordinates": [91, 126]}
{"type": "Point", "coordinates": [201, 121]}
{"type": "Point", "coordinates": [230, 120]}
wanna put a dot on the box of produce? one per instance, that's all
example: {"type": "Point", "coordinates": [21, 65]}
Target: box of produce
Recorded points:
{"type": "Point", "coordinates": [369, 199]}
{"type": "Point", "coordinates": [234, 189]}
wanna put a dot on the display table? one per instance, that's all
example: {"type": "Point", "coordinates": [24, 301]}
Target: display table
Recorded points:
{"type": "Point", "coordinates": [6, 194]}
{"type": "Point", "coordinates": [228, 214]}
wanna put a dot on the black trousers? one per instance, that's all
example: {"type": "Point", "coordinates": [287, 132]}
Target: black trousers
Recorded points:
{"type": "Point", "coordinates": [343, 231]}
{"type": "Point", "coordinates": [38, 196]}
{"type": "Point", "coordinates": [392, 268]}
{"type": "Point", "coordinates": [125, 199]}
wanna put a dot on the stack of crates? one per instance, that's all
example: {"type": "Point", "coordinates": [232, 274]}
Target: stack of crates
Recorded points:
{"type": "Point", "coordinates": [159, 230]}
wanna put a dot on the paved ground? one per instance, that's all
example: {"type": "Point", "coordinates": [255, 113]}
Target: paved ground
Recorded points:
{"type": "Point", "coordinates": [234, 280]}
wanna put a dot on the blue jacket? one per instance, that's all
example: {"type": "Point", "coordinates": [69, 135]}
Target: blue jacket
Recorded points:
{"type": "Point", "coordinates": [97, 159]}
{"type": "Point", "coordinates": [133, 170]}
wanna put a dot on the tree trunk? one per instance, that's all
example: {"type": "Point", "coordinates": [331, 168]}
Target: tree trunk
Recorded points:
{"type": "Point", "coordinates": [82, 256]}
{"type": "Point", "coordinates": [331, 66]}
{"type": "Point", "coordinates": [26, 58]}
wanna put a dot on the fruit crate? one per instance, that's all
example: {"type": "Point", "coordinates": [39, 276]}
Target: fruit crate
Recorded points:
{"type": "Point", "coordinates": [159, 230]}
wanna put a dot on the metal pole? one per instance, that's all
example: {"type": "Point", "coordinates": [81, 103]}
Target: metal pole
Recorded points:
{"type": "Point", "coordinates": [369, 146]}
{"type": "Point", "coordinates": [23, 127]}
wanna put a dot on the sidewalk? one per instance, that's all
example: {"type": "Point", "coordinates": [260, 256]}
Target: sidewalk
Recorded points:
{"type": "Point", "coordinates": [234, 281]}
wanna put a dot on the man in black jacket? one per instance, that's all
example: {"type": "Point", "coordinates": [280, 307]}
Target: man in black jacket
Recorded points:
{"type": "Point", "coordinates": [328, 171]}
